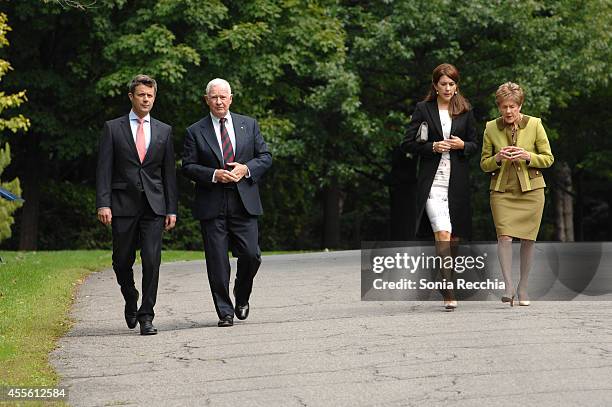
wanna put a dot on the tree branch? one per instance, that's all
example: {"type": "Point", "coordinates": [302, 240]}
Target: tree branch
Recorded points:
{"type": "Point", "coordinates": [78, 4]}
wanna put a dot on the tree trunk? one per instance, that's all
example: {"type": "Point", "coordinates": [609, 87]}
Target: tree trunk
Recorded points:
{"type": "Point", "coordinates": [608, 235]}
{"type": "Point", "coordinates": [331, 215]}
{"type": "Point", "coordinates": [579, 208]}
{"type": "Point", "coordinates": [563, 201]}
{"type": "Point", "coordinates": [28, 238]}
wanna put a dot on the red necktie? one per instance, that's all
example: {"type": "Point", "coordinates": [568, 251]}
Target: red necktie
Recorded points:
{"type": "Point", "coordinates": [228, 151]}
{"type": "Point", "coordinates": [141, 145]}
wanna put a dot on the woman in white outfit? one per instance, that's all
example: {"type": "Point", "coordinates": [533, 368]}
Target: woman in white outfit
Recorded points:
{"type": "Point", "coordinates": [443, 182]}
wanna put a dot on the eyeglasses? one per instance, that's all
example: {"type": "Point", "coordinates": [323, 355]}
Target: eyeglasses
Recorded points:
{"type": "Point", "coordinates": [222, 98]}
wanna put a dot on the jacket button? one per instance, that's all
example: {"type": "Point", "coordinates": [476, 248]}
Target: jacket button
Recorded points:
{"type": "Point", "coordinates": [493, 174]}
{"type": "Point", "coordinates": [537, 172]}
{"type": "Point", "coordinates": [519, 168]}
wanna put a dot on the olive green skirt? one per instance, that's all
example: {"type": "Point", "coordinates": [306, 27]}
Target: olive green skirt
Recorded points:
{"type": "Point", "coordinates": [516, 213]}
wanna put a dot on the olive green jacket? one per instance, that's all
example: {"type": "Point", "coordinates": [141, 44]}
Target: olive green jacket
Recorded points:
{"type": "Point", "coordinates": [531, 136]}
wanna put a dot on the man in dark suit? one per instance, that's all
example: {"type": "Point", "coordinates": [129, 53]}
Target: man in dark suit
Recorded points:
{"type": "Point", "coordinates": [136, 193]}
{"type": "Point", "coordinates": [226, 156]}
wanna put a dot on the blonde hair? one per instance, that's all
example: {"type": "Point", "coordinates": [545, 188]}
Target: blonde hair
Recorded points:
{"type": "Point", "coordinates": [510, 90]}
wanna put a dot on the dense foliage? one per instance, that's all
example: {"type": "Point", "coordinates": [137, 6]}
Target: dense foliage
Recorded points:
{"type": "Point", "coordinates": [332, 83]}
{"type": "Point", "coordinates": [13, 124]}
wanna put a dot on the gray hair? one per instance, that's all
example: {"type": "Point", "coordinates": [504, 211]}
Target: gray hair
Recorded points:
{"type": "Point", "coordinates": [218, 82]}
{"type": "Point", "coordinates": [141, 79]}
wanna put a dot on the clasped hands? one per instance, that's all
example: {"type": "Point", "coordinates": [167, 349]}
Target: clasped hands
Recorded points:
{"type": "Point", "coordinates": [238, 172]}
{"type": "Point", "coordinates": [453, 143]}
{"type": "Point", "coordinates": [512, 153]}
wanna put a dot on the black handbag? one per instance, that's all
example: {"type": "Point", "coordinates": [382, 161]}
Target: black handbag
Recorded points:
{"type": "Point", "coordinates": [422, 133]}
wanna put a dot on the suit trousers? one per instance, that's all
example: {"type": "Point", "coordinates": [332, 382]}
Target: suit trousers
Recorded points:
{"type": "Point", "coordinates": [129, 232]}
{"type": "Point", "coordinates": [234, 228]}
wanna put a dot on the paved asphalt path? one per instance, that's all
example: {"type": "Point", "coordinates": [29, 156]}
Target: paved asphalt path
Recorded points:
{"type": "Point", "coordinates": [311, 341]}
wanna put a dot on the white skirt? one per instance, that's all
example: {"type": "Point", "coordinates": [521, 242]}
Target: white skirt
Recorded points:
{"type": "Point", "coordinates": [437, 202]}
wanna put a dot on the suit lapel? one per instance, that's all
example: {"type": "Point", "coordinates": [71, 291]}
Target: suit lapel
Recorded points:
{"type": "Point", "coordinates": [240, 133]}
{"type": "Point", "coordinates": [154, 137]}
{"type": "Point", "coordinates": [499, 122]}
{"type": "Point", "coordinates": [127, 134]}
{"type": "Point", "coordinates": [454, 123]}
{"type": "Point", "coordinates": [208, 133]}
{"type": "Point", "coordinates": [434, 115]}
{"type": "Point", "coordinates": [521, 126]}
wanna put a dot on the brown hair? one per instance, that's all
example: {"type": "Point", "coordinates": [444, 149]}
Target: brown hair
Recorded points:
{"type": "Point", "coordinates": [458, 103]}
{"type": "Point", "coordinates": [143, 80]}
{"type": "Point", "coordinates": [510, 90]}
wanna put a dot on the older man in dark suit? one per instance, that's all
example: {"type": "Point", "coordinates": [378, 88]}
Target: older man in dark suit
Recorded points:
{"type": "Point", "coordinates": [136, 193]}
{"type": "Point", "coordinates": [226, 156]}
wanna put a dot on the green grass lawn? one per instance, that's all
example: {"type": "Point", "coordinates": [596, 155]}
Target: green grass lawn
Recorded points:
{"type": "Point", "coordinates": [36, 292]}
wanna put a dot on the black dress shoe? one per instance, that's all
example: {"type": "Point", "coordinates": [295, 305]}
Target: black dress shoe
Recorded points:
{"type": "Point", "coordinates": [130, 311]}
{"type": "Point", "coordinates": [227, 320]}
{"type": "Point", "coordinates": [242, 311]}
{"type": "Point", "coordinates": [147, 328]}
{"type": "Point", "coordinates": [130, 319]}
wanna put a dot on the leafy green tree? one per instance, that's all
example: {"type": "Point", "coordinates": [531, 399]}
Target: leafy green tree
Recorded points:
{"type": "Point", "coordinates": [13, 124]}
{"type": "Point", "coordinates": [18, 122]}
{"type": "Point", "coordinates": [285, 62]}
{"type": "Point", "coordinates": [58, 55]}
{"type": "Point", "coordinates": [7, 207]}
{"type": "Point", "coordinates": [332, 82]}
{"type": "Point", "coordinates": [555, 50]}
{"type": "Point", "coordinates": [281, 58]}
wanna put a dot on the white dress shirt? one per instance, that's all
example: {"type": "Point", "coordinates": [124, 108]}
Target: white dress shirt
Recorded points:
{"type": "Point", "coordinates": [147, 131]}
{"type": "Point", "coordinates": [146, 125]}
{"type": "Point", "coordinates": [229, 125]}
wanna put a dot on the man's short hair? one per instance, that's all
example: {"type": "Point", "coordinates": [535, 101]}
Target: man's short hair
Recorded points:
{"type": "Point", "coordinates": [143, 80]}
{"type": "Point", "coordinates": [218, 82]}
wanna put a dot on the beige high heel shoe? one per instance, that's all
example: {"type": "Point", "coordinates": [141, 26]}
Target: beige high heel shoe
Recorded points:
{"type": "Point", "coordinates": [450, 305]}
{"type": "Point", "coordinates": [525, 302]}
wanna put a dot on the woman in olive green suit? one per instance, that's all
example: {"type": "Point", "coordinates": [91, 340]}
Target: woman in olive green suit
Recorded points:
{"type": "Point", "coordinates": [514, 150]}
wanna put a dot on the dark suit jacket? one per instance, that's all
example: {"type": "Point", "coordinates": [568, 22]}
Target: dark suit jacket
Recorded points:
{"type": "Point", "coordinates": [121, 178]}
{"type": "Point", "coordinates": [463, 126]}
{"type": "Point", "coordinates": [202, 155]}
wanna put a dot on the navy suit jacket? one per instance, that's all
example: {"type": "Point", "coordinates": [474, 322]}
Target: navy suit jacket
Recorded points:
{"type": "Point", "coordinates": [202, 156]}
{"type": "Point", "coordinates": [121, 178]}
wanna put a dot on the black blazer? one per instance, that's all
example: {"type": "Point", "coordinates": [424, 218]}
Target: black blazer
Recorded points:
{"type": "Point", "coordinates": [121, 178]}
{"type": "Point", "coordinates": [463, 126]}
{"type": "Point", "coordinates": [202, 156]}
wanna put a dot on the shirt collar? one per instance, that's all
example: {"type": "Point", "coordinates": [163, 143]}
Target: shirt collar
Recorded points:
{"type": "Point", "coordinates": [501, 124]}
{"type": "Point", "coordinates": [134, 116]}
{"type": "Point", "coordinates": [228, 116]}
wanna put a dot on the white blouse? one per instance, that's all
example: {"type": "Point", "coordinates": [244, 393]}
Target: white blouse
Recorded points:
{"type": "Point", "coordinates": [446, 122]}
